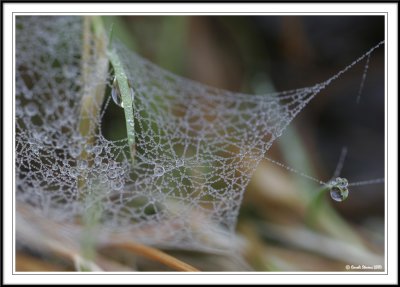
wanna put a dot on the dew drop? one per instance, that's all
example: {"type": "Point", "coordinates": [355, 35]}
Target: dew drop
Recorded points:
{"type": "Point", "coordinates": [179, 162]}
{"type": "Point", "coordinates": [73, 172]}
{"type": "Point", "coordinates": [74, 150]}
{"type": "Point", "coordinates": [117, 184]}
{"type": "Point", "coordinates": [103, 179]}
{"type": "Point", "coordinates": [19, 112]}
{"type": "Point", "coordinates": [78, 138]}
{"type": "Point", "coordinates": [339, 194]}
{"type": "Point", "coordinates": [37, 136]}
{"type": "Point", "coordinates": [116, 94]}
{"type": "Point", "coordinates": [83, 164]}
{"type": "Point", "coordinates": [31, 109]}
{"type": "Point", "coordinates": [28, 94]}
{"type": "Point", "coordinates": [88, 184]}
{"type": "Point", "coordinates": [54, 167]}
{"type": "Point", "coordinates": [35, 148]}
{"type": "Point", "coordinates": [89, 148]}
{"type": "Point", "coordinates": [97, 160]}
{"type": "Point", "coordinates": [60, 142]}
{"type": "Point", "coordinates": [132, 94]}
{"type": "Point", "coordinates": [104, 167]}
{"type": "Point", "coordinates": [339, 191]}
{"type": "Point", "coordinates": [131, 123]}
{"type": "Point", "coordinates": [113, 173]}
{"type": "Point", "coordinates": [50, 109]}
{"type": "Point", "coordinates": [46, 139]}
{"type": "Point", "coordinates": [63, 170]}
{"type": "Point", "coordinates": [97, 150]}
{"type": "Point", "coordinates": [69, 72]}
{"type": "Point", "coordinates": [159, 170]}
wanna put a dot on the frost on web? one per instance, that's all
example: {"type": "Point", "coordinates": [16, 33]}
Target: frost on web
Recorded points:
{"type": "Point", "coordinates": [196, 146]}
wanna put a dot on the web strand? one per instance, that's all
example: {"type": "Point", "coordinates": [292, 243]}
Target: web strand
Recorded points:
{"type": "Point", "coordinates": [296, 171]}
{"type": "Point", "coordinates": [368, 182]}
{"type": "Point", "coordinates": [340, 163]}
{"type": "Point", "coordinates": [364, 77]}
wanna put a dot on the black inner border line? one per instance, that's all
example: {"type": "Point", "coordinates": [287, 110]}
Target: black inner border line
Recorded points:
{"type": "Point", "coordinates": [206, 13]}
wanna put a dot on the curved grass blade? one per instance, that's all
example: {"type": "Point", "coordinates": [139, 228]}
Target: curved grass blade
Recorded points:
{"type": "Point", "coordinates": [127, 97]}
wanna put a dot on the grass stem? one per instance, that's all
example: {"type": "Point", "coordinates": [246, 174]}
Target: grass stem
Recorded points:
{"type": "Point", "coordinates": [157, 255]}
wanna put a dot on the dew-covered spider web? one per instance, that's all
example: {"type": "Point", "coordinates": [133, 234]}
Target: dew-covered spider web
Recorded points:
{"type": "Point", "coordinates": [196, 147]}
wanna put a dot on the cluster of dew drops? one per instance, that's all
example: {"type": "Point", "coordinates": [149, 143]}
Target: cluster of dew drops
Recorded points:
{"type": "Point", "coordinates": [159, 170]}
{"type": "Point", "coordinates": [338, 187]}
{"type": "Point", "coordinates": [109, 171]}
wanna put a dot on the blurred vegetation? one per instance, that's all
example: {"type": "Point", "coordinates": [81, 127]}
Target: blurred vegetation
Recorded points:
{"type": "Point", "coordinates": [263, 55]}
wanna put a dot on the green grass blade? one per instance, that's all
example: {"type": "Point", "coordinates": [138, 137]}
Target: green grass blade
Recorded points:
{"type": "Point", "coordinates": [127, 98]}
{"type": "Point", "coordinates": [93, 99]}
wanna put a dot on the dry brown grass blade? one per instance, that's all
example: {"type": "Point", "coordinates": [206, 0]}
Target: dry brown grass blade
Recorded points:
{"type": "Point", "coordinates": [93, 95]}
{"type": "Point", "coordinates": [155, 254]}
{"type": "Point", "coordinates": [61, 240]}
{"type": "Point", "coordinates": [27, 263]}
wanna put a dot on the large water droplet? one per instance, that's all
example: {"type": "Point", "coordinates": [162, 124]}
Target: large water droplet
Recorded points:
{"type": "Point", "coordinates": [31, 109]}
{"type": "Point", "coordinates": [159, 170]}
{"type": "Point", "coordinates": [179, 162]}
{"type": "Point", "coordinates": [116, 94]}
{"type": "Point", "coordinates": [339, 191]}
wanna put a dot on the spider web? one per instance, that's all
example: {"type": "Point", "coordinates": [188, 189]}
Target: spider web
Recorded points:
{"type": "Point", "coordinates": [196, 146]}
